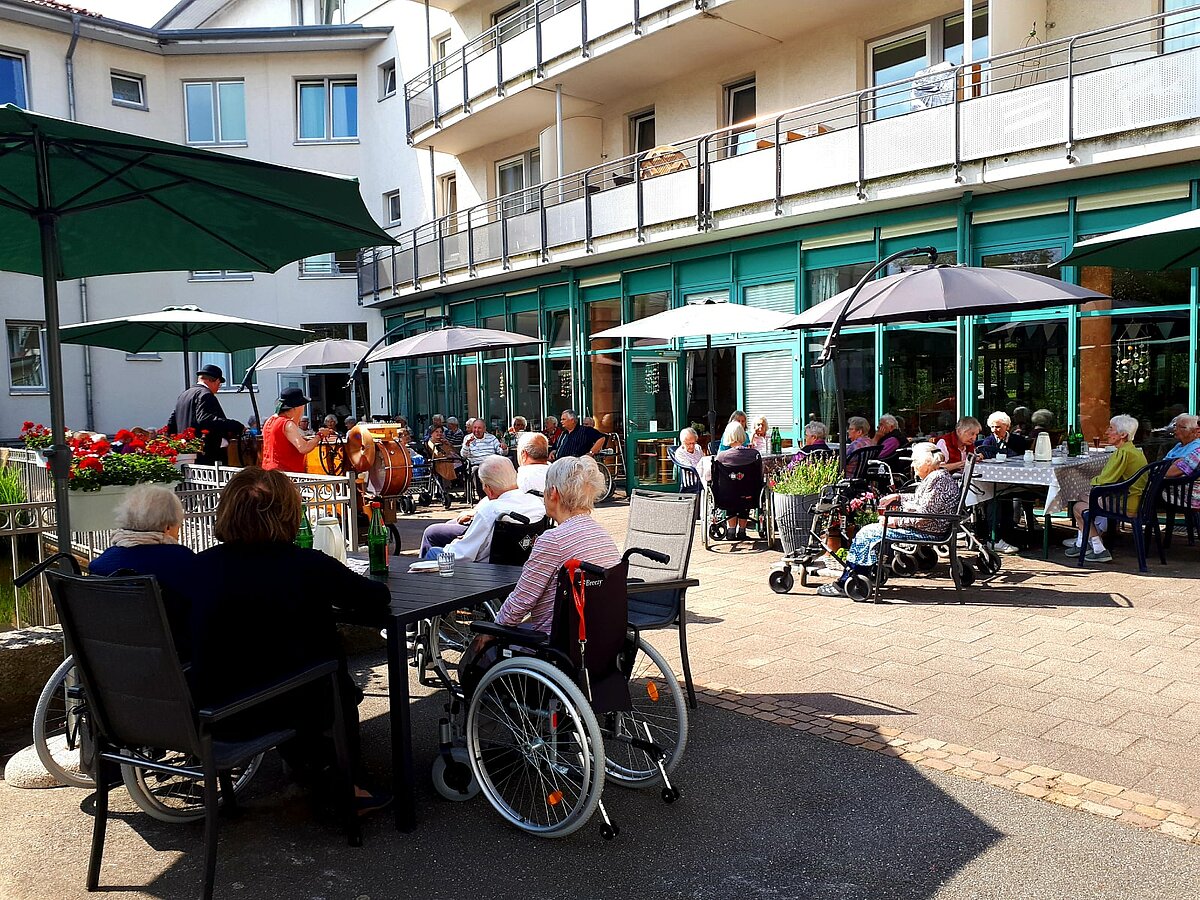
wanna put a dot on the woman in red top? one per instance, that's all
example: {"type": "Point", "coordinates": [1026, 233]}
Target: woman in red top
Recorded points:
{"type": "Point", "coordinates": [284, 444]}
{"type": "Point", "coordinates": [956, 445]}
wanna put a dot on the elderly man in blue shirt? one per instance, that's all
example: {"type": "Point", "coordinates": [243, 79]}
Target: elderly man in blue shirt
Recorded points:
{"type": "Point", "coordinates": [479, 444]}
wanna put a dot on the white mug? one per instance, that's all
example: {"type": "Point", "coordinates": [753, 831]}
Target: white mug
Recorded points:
{"type": "Point", "coordinates": [1001, 456]}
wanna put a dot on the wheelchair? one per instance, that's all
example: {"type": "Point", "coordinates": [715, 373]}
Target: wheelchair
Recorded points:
{"type": "Point", "coordinates": [732, 488]}
{"type": "Point", "coordinates": [538, 723]}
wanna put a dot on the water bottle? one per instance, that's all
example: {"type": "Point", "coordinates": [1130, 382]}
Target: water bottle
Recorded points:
{"type": "Point", "coordinates": [377, 542]}
{"type": "Point", "coordinates": [304, 537]}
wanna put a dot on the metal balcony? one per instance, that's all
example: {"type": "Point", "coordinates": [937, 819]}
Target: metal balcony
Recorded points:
{"type": "Point", "coordinates": [1139, 77]}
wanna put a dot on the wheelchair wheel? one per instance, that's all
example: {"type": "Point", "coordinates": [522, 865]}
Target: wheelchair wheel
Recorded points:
{"type": "Point", "coordinates": [394, 537]}
{"type": "Point", "coordinates": [858, 587]}
{"type": "Point", "coordinates": [450, 634]}
{"type": "Point", "coordinates": [904, 565]}
{"type": "Point", "coordinates": [58, 727]}
{"type": "Point", "coordinates": [926, 557]}
{"type": "Point", "coordinates": [657, 704]}
{"type": "Point", "coordinates": [454, 780]}
{"type": "Point", "coordinates": [608, 482]}
{"type": "Point", "coordinates": [535, 747]}
{"type": "Point", "coordinates": [782, 581]}
{"type": "Point", "coordinates": [988, 563]}
{"type": "Point", "coordinates": [175, 798]}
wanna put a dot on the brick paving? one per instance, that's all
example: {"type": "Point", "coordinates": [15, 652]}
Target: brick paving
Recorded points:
{"type": "Point", "coordinates": [1078, 686]}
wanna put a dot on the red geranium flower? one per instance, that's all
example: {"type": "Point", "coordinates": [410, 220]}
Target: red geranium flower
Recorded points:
{"type": "Point", "coordinates": [123, 436]}
{"type": "Point", "coordinates": [91, 462]}
{"type": "Point", "coordinates": [101, 447]}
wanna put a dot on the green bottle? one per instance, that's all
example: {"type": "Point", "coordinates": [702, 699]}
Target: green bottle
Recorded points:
{"type": "Point", "coordinates": [776, 442]}
{"type": "Point", "coordinates": [377, 542]}
{"type": "Point", "coordinates": [1074, 441]}
{"type": "Point", "coordinates": [304, 537]}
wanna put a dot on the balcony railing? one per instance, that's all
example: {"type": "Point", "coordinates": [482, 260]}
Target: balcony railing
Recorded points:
{"type": "Point", "coordinates": [516, 46]}
{"type": "Point", "coordinates": [1137, 75]}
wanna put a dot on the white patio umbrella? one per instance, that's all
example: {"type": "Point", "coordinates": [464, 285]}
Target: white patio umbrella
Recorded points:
{"type": "Point", "coordinates": [456, 339]}
{"type": "Point", "coordinates": [701, 319]}
{"type": "Point", "coordinates": [329, 352]}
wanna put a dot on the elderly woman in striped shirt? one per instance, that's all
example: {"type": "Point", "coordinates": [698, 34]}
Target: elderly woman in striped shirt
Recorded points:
{"type": "Point", "coordinates": [572, 486]}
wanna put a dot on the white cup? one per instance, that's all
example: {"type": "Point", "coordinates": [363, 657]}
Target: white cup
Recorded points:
{"type": "Point", "coordinates": [1028, 456]}
{"type": "Point", "coordinates": [1001, 456]}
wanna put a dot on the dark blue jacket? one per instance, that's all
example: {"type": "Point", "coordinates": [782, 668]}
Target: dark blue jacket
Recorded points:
{"type": "Point", "coordinates": [173, 566]}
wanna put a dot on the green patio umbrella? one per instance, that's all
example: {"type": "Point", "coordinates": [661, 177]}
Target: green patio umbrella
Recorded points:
{"type": "Point", "coordinates": [77, 201]}
{"type": "Point", "coordinates": [1170, 243]}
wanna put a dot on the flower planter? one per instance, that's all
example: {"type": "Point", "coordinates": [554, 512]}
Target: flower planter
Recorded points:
{"type": "Point", "coordinates": [93, 510]}
{"type": "Point", "coordinates": [185, 459]}
{"type": "Point", "coordinates": [793, 519]}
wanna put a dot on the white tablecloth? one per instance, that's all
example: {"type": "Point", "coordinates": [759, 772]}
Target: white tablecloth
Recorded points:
{"type": "Point", "coordinates": [1065, 479]}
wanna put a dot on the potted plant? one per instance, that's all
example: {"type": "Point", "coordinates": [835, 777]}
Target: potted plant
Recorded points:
{"type": "Point", "coordinates": [795, 490]}
{"type": "Point", "coordinates": [861, 512]}
{"type": "Point", "coordinates": [103, 471]}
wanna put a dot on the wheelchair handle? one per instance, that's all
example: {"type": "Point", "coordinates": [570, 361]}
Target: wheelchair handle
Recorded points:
{"type": "Point", "coordinates": [652, 555]}
{"type": "Point", "coordinates": [516, 517]}
{"type": "Point", "coordinates": [29, 574]}
{"type": "Point", "coordinates": [593, 570]}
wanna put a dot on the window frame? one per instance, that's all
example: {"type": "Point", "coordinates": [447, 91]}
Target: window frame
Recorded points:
{"type": "Point", "coordinates": [734, 145]}
{"type": "Point", "coordinates": [388, 79]}
{"type": "Point", "coordinates": [218, 139]}
{"type": "Point", "coordinates": [220, 275]}
{"type": "Point", "coordinates": [233, 377]}
{"type": "Point", "coordinates": [139, 80]}
{"type": "Point", "coordinates": [636, 120]}
{"type": "Point", "coordinates": [328, 82]}
{"type": "Point", "coordinates": [393, 207]}
{"type": "Point", "coordinates": [441, 46]}
{"type": "Point", "coordinates": [40, 326]}
{"type": "Point", "coordinates": [335, 269]}
{"type": "Point", "coordinates": [23, 58]}
{"type": "Point", "coordinates": [528, 199]}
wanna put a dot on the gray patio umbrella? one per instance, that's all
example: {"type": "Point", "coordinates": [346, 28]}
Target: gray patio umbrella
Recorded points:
{"type": "Point", "coordinates": [1170, 243]}
{"type": "Point", "coordinates": [926, 294]}
{"type": "Point", "coordinates": [702, 319]}
{"type": "Point", "coordinates": [77, 200]}
{"type": "Point", "coordinates": [329, 352]}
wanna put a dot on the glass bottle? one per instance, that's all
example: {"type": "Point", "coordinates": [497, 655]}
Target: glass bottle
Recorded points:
{"type": "Point", "coordinates": [304, 537]}
{"type": "Point", "coordinates": [377, 542]}
{"type": "Point", "coordinates": [776, 442]}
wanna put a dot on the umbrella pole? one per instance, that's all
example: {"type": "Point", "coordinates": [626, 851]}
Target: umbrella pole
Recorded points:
{"type": "Point", "coordinates": [187, 372]}
{"type": "Point", "coordinates": [708, 372]}
{"type": "Point", "coordinates": [60, 457]}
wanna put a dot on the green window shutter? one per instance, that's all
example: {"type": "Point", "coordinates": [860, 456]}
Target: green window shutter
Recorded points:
{"type": "Point", "coordinates": [779, 296]}
{"type": "Point", "coordinates": [239, 362]}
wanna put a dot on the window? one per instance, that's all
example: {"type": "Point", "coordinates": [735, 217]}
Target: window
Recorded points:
{"type": "Point", "coordinates": [327, 110]}
{"type": "Point", "coordinates": [904, 56]}
{"type": "Point", "coordinates": [387, 79]}
{"type": "Point", "coordinates": [221, 275]}
{"type": "Point", "coordinates": [641, 132]}
{"type": "Point", "coordinates": [513, 176]}
{"type": "Point", "coordinates": [441, 46]}
{"type": "Point", "coordinates": [234, 365]}
{"type": "Point", "coordinates": [128, 90]}
{"type": "Point", "coordinates": [447, 195]}
{"type": "Point", "coordinates": [330, 265]}
{"type": "Point", "coordinates": [392, 207]}
{"type": "Point", "coordinates": [215, 112]}
{"type": "Point", "coordinates": [741, 106]}
{"type": "Point", "coordinates": [12, 80]}
{"type": "Point", "coordinates": [26, 350]}
{"type": "Point", "coordinates": [353, 331]}
{"type": "Point", "coordinates": [1180, 31]}
{"type": "Point", "coordinates": [512, 19]}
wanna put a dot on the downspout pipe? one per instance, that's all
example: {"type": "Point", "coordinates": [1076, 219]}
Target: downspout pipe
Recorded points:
{"type": "Point", "coordinates": [88, 399]}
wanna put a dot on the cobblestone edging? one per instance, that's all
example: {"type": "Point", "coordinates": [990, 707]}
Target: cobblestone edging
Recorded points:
{"type": "Point", "coordinates": [1145, 811]}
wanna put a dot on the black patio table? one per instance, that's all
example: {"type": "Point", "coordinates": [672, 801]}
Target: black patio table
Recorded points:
{"type": "Point", "coordinates": [417, 596]}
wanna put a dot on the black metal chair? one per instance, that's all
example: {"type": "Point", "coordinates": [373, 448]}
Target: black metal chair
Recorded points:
{"type": "Point", "coordinates": [857, 469]}
{"type": "Point", "coordinates": [513, 536]}
{"type": "Point", "coordinates": [138, 698]}
{"type": "Point", "coordinates": [1111, 501]}
{"type": "Point", "coordinates": [1176, 497]}
{"type": "Point", "coordinates": [662, 522]}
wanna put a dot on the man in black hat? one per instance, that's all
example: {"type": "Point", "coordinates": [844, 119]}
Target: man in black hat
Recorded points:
{"type": "Point", "coordinates": [198, 408]}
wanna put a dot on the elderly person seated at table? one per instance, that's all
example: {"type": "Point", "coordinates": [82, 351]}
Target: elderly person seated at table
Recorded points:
{"type": "Point", "coordinates": [454, 434]}
{"type": "Point", "coordinates": [533, 461]}
{"type": "Point", "coordinates": [760, 436]}
{"type": "Point", "coordinates": [469, 537]}
{"type": "Point", "coordinates": [1123, 464]}
{"type": "Point", "coordinates": [815, 436]}
{"type": "Point", "coordinates": [480, 444]}
{"type": "Point", "coordinates": [739, 417]}
{"type": "Point", "coordinates": [1187, 436]}
{"type": "Point", "coordinates": [689, 454]}
{"type": "Point", "coordinates": [937, 494]}
{"type": "Point", "coordinates": [262, 610]}
{"type": "Point", "coordinates": [551, 430]}
{"type": "Point", "coordinates": [1002, 438]}
{"type": "Point", "coordinates": [436, 421]}
{"type": "Point", "coordinates": [890, 439]}
{"type": "Point", "coordinates": [858, 430]}
{"type": "Point", "coordinates": [737, 453]}
{"type": "Point", "coordinates": [959, 443]}
{"type": "Point", "coordinates": [146, 541]}
{"type": "Point", "coordinates": [572, 486]}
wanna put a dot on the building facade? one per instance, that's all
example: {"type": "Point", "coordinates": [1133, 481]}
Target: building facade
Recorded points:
{"type": "Point", "coordinates": [306, 84]}
{"type": "Point", "coordinates": [607, 160]}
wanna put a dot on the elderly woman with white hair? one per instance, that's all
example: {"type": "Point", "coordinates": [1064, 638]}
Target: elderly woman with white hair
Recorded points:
{"type": "Point", "coordinates": [1122, 465]}
{"type": "Point", "coordinates": [936, 495]}
{"type": "Point", "coordinates": [1002, 438]}
{"type": "Point", "coordinates": [572, 485]}
{"type": "Point", "coordinates": [146, 541]}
